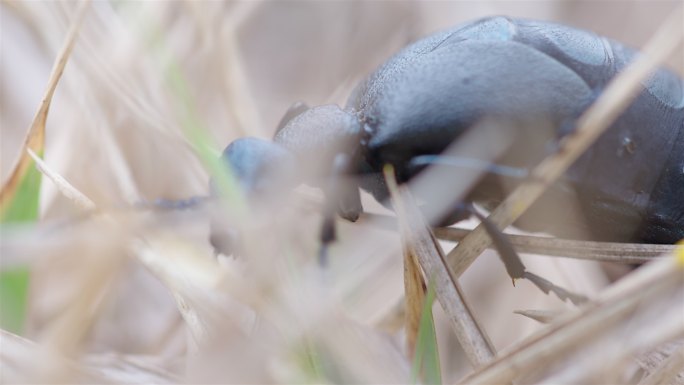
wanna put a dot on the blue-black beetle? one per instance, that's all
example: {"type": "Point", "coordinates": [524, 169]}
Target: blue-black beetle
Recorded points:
{"type": "Point", "coordinates": [629, 184]}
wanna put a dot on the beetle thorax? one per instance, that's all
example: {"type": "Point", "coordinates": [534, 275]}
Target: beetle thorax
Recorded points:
{"type": "Point", "coordinates": [318, 135]}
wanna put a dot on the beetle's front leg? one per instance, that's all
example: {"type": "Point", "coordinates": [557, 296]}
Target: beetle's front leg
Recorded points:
{"type": "Point", "coordinates": [341, 197]}
{"type": "Point", "coordinates": [511, 259]}
{"type": "Point", "coordinates": [509, 256]}
{"type": "Point", "coordinates": [514, 266]}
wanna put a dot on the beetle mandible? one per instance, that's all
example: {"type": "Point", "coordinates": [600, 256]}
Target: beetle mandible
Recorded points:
{"type": "Point", "coordinates": [629, 185]}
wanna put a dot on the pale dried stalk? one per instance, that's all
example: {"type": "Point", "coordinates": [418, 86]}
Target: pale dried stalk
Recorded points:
{"type": "Point", "coordinates": [67, 333]}
{"type": "Point", "coordinates": [156, 263]}
{"type": "Point", "coordinates": [617, 303]}
{"type": "Point", "coordinates": [470, 334]}
{"type": "Point", "coordinates": [668, 370]}
{"type": "Point", "coordinates": [608, 357]}
{"type": "Point", "coordinates": [588, 250]}
{"type": "Point", "coordinates": [173, 270]}
{"type": "Point", "coordinates": [66, 188]}
{"type": "Point", "coordinates": [590, 126]}
{"type": "Point", "coordinates": [546, 246]}
{"type": "Point", "coordinates": [129, 369]}
{"type": "Point", "coordinates": [18, 358]}
{"type": "Point", "coordinates": [541, 316]}
{"type": "Point", "coordinates": [414, 289]}
{"type": "Point", "coordinates": [35, 138]}
{"type": "Point", "coordinates": [237, 84]}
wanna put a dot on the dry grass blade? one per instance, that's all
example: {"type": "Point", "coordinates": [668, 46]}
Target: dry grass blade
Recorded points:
{"type": "Point", "coordinates": [129, 369]}
{"type": "Point", "coordinates": [643, 293]}
{"type": "Point", "coordinates": [595, 251]}
{"type": "Point", "coordinates": [35, 139]}
{"type": "Point", "coordinates": [121, 295]}
{"type": "Point", "coordinates": [590, 126]}
{"type": "Point", "coordinates": [194, 282]}
{"type": "Point", "coordinates": [541, 316]}
{"type": "Point", "coordinates": [160, 266]}
{"type": "Point", "coordinates": [69, 331]}
{"type": "Point", "coordinates": [470, 334]}
{"type": "Point", "coordinates": [668, 371]}
{"type": "Point", "coordinates": [414, 289]}
{"type": "Point", "coordinates": [185, 278]}
{"type": "Point", "coordinates": [610, 357]}
{"type": "Point", "coordinates": [628, 253]}
{"type": "Point", "coordinates": [62, 184]}
{"type": "Point", "coordinates": [18, 356]}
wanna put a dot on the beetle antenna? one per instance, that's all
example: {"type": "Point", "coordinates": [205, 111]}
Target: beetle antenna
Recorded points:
{"type": "Point", "coordinates": [173, 204]}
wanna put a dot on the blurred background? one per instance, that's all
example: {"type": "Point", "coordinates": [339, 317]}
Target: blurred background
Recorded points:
{"type": "Point", "coordinates": [115, 132]}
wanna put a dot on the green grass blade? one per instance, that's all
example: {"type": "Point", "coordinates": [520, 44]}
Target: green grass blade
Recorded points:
{"type": "Point", "coordinates": [14, 284]}
{"type": "Point", "coordinates": [25, 203]}
{"type": "Point", "coordinates": [426, 361]}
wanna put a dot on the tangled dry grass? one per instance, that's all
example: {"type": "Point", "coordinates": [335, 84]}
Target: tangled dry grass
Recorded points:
{"type": "Point", "coordinates": [150, 93]}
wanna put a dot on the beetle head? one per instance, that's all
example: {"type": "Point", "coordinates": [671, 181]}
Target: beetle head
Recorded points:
{"type": "Point", "coordinates": [260, 166]}
{"type": "Point", "coordinates": [307, 148]}
{"type": "Point", "coordinates": [265, 172]}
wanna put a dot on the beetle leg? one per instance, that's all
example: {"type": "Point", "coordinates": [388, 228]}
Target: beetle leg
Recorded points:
{"type": "Point", "coordinates": [341, 197]}
{"type": "Point", "coordinates": [327, 235]}
{"type": "Point", "coordinates": [510, 258]}
{"type": "Point", "coordinates": [514, 266]}
{"type": "Point", "coordinates": [349, 202]}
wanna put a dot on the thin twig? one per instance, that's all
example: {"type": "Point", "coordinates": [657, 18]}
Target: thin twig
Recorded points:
{"type": "Point", "coordinates": [541, 316]}
{"type": "Point", "coordinates": [628, 253]}
{"type": "Point", "coordinates": [66, 188]}
{"type": "Point", "coordinates": [174, 276]}
{"type": "Point", "coordinates": [414, 289]}
{"type": "Point", "coordinates": [641, 290]}
{"type": "Point", "coordinates": [668, 370]}
{"type": "Point", "coordinates": [18, 356]}
{"type": "Point", "coordinates": [471, 335]}
{"type": "Point", "coordinates": [35, 139]}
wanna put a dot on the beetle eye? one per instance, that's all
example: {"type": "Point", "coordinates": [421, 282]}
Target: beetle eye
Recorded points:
{"type": "Point", "coordinates": [295, 110]}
